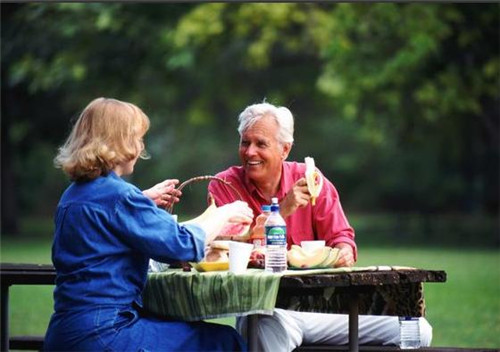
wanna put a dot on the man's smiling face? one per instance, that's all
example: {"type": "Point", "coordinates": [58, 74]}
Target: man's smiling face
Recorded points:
{"type": "Point", "coordinates": [260, 152]}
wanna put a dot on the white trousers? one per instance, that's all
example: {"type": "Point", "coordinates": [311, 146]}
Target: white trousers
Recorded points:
{"type": "Point", "coordinates": [285, 330]}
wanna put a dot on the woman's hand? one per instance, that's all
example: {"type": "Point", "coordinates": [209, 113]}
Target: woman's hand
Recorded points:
{"type": "Point", "coordinates": [237, 212]}
{"type": "Point", "coordinates": [346, 255]}
{"type": "Point", "coordinates": [298, 196]}
{"type": "Point", "coordinates": [164, 194]}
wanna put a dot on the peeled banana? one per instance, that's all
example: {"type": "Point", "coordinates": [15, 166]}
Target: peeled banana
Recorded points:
{"type": "Point", "coordinates": [314, 179]}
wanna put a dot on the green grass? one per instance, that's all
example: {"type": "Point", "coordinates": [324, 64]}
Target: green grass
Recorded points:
{"type": "Point", "coordinates": [464, 311]}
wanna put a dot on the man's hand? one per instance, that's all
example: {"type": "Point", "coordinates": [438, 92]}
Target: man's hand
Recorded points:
{"type": "Point", "coordinates": [164, 194]}
{"type": "Point", "coordinates": [298, 196]}
{"type": "Point", "coordinates": [346, 255]}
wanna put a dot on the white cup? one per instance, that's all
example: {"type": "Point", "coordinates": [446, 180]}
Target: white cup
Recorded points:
{"type": "Point", "coordinates": [310, 246]}
{"type": "Point", "coordinates": [239, 255]}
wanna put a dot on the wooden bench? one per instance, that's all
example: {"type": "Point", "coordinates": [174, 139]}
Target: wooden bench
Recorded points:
{"type": "Point", "coordinates": [21, 274]}
{"type": "Point", "coordinates": [319, 348]}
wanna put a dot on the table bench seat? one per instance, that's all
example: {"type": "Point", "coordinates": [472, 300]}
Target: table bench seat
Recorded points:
{"type": "Point", "coordinates": [21, 274]}
{"type": "Point", "coordinates": [320, 348]}
{"type": "Point", "coordinates": [34, 343]}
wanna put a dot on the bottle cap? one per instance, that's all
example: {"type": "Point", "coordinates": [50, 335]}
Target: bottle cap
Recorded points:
{"type": "Point", "coordinates": [274, 200]}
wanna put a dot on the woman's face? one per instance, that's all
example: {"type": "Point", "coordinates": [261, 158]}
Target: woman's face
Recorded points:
{"type": "Point", "coordinates": [260, 152]}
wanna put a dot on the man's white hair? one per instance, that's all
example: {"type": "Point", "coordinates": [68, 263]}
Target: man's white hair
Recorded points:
{"type": "Point", "coordinates": [281, 115]}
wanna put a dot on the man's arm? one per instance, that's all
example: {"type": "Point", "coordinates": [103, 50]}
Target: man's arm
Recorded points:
{"type": "Point", "coordinates": [329, 220]}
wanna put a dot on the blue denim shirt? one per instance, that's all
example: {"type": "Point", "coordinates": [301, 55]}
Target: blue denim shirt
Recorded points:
{"type": "Point", "coordinates": [106, 231]}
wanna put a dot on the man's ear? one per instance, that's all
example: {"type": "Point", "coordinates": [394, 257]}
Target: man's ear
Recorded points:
{"type": "Point", "coordinates": [287, 147]}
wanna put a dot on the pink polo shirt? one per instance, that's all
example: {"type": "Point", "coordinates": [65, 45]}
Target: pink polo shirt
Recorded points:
{"type": "Point", "coordinates": [326, 220]}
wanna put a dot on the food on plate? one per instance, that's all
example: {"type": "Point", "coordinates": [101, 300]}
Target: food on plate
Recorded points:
{"type": "Point", "coordinates": [313, 178]}
{"type": "Point", "coordinates": [257, 258]}
{"type": "Point", "coordinates": [319, 258]}
{"type": "Point", "coordinates": [217, 252]}
{"type": "Point", "coordinates": [331, 259]}
{"type": "Point", "coordinates": [216, 257]}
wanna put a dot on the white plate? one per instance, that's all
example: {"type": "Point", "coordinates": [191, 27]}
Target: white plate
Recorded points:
{"type": "Point", "coordinates": [211, 266]}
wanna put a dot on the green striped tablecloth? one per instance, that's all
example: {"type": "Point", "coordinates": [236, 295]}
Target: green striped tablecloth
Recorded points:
{"type": "Point", "coordinates": [193, 296]}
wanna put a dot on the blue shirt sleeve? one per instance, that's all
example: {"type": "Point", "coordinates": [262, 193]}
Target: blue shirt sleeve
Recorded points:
{"type": "Point", "coordinates": [154, 232]}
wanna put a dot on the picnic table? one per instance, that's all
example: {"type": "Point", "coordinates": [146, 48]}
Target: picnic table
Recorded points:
{"type": "Point", "coordinates": [343, 290]}
{"type": "Point", "coordinates": [362, 283]}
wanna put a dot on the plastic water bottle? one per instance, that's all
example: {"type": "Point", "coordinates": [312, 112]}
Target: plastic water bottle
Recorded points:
{"type": "Point", "coordinates": [258, 237]}
{"type": "Point", "coordinates": [276, 250]}
{"type": "Point", "coordinates": [409, 333]}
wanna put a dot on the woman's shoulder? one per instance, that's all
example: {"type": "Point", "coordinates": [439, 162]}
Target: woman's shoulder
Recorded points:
{"type": "Point", "coordinates": [113, 184]}
{"type": "Point", "coordinates": [101, 190]}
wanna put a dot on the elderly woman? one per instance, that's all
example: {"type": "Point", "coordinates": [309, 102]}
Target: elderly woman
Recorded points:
{"type": "Point", "coordinates": [266, 138]}
{"type": "Point", "coordinates": [106, 231]}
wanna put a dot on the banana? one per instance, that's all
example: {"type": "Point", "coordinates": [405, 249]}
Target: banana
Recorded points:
{"type": "Point", "coordinates": [313, 178]}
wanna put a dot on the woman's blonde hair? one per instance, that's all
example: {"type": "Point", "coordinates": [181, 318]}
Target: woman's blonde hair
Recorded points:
{"type": "Point", "coordinates": [106, 134]}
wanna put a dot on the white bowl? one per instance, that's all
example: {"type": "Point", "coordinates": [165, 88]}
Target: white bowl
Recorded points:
{"type": "Point", "coordinates": [310, 246]}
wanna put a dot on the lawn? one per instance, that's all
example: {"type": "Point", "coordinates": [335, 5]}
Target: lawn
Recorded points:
{"type": "Point", "coordinates": [464, 311]}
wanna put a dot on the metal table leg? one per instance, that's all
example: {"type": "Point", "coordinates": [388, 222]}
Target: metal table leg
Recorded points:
{"type": "Point", "coordinates": [252, 322]}
{"type": "Point", "coordinates": [353, 322]}
{"type": "Point", "coordinates": [5, 318]}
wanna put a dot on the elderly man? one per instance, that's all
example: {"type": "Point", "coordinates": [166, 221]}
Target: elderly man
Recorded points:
{"type": "Point", "coordinates": [266, 138]}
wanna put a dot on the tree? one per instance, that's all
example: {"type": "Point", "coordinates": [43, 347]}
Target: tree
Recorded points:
{"type": "Point", "coordinates": [394, 89]}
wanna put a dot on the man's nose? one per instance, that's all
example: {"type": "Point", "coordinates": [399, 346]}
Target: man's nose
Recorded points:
{"type": "Point", "coordinates": [251, 150]}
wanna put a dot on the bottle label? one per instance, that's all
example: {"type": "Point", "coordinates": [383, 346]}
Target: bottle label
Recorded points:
{"type": "Point", "coordinates": [276, 235]}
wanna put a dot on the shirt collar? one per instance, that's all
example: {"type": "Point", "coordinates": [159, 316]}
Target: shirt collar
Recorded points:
{"type": "Point", "coordinates": [113, 174]}
{"type": "Point", "coordinates": [252, 189]}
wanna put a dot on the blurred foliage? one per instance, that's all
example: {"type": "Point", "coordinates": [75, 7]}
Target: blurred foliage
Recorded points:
{"type": "Point", "coordinates": [398, 103]}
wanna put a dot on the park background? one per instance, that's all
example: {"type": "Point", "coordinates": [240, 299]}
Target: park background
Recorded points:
{"type": "Point", "coordinates": [398, 104]}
